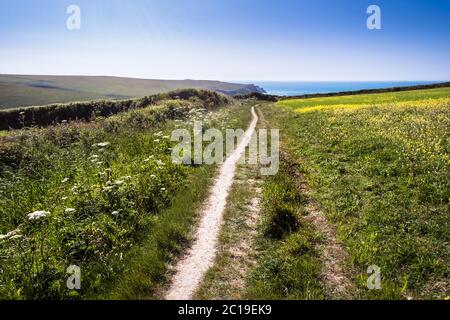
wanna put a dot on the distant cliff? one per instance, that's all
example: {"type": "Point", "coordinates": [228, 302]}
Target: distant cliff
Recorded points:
{"type": "Point", "coordinates": [251, 88]}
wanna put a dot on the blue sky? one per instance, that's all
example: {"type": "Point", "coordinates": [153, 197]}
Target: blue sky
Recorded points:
{"type": "Point", "coordinates": [228, 39]}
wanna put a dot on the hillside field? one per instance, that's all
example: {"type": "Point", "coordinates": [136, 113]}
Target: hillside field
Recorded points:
{"type": "Point", "coordinates": [32, 90]}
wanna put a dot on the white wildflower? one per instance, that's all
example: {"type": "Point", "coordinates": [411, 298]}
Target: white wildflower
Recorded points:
{"type": "Point", "coordinates": [115, 213]}
{"type": "Point", "coordinates": [13, 233]}
{"type": "Point", "coordinates": [9, 234]}
{"type": "Point", "coordinates": [118, 182]}
{"type": "Point", "coordinates": [37, 215]}
{"type": "Point", "coordinates": [64, 180]}
{"type": "Point", "coordinates": [103, 144]}
{"type": "Point", "coordinates": [70, 210]}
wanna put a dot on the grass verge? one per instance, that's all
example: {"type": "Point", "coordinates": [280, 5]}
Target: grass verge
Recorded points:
{"type": "Point", "coordinates": [288, 266]}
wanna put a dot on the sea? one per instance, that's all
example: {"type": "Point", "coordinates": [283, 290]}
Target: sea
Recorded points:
{"type": "Point", "coordinates": [299, 88]}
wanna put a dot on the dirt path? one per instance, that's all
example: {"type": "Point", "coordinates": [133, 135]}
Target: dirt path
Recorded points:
{"type": "Point", "coordinates": [190, 269]}
{"type": "Point", "coordinates": [237, 253]}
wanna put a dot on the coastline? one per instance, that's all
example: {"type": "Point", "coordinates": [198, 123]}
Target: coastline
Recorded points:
{"type": "Point", "coordinates": [301, 88]}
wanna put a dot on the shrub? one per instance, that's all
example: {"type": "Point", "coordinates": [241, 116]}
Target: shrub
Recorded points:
{"type": "Point", "coordinates": [42, 116]}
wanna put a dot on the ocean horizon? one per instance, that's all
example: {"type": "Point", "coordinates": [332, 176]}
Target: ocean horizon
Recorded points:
{"type": "Point", "coordinates": [294, 88]}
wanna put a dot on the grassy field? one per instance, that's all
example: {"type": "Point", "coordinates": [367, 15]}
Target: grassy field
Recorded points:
{"type": "Point", "coordinates": [378, 165]}
{"type": "Point", "coordinates": [366, 99]}
{"type": "Point", "coordinates": [102, 195]}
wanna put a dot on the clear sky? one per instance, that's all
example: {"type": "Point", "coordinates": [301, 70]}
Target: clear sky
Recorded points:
{"type": "Point", "coordinates": [228, 39]}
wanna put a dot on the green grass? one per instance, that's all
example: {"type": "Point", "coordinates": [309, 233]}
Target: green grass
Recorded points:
{"type": "Point", "coordinates": [289, 265]}
{"type": "Point", "coordinates": [379, 167]}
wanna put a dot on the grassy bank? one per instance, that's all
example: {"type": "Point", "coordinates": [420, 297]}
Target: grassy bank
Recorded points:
{"type": "Point", "coordinates": [379, 165]}
{"type": "Point", "coordinates": [91, 194]}
{"type": "Point", "coordinates": [42, 116]}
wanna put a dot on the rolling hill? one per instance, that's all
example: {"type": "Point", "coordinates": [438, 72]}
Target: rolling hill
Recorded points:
{"type": "Point", "coordinates": [28, 90]}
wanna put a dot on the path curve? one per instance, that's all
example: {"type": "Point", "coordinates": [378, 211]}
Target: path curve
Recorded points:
{"type": "Point", "coordinates": [190, 269]}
